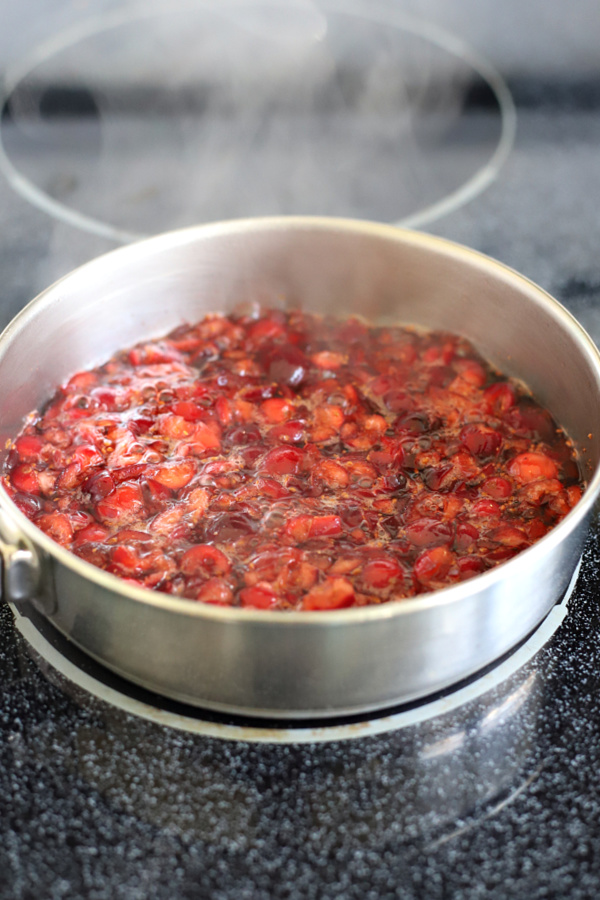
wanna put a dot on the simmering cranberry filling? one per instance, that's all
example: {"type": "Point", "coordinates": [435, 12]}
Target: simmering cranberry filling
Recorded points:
{"type": "Point", "coordinates": [290, 461]}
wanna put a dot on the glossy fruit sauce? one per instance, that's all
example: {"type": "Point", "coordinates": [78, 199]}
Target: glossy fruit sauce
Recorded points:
{"type": "Point", "coordinates": [288, 461]}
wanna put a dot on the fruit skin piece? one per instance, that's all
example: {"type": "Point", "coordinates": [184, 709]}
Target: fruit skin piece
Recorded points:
{"type": "Point", "coordinates": [333, 593]}
{"type": "Point", "coordinates": [499, 398]}
{"type": "Point", "coordinates": [187, 410]}
{"type": "Point", "coordinates": [429, 532]}
{"type": "Point", "coordinates": [508, 536]}
{"type": "Point", "coordinates": [276, 410]}
{"type": "Point", "coordinates": [90, 534]}
{"type": "Point", "coordinates": [265, 329]}
{"type": "Point", "coordinates": [260, 596]}
{"type": "Point", "coordinates": [216, 591]}
{"type": "Point", "coordinates": [303, 527]}
{"type": "Point", "coordinates": [29, 446]}
{"type": "Point", "coordinates": [292, 432]}
{"type": "Point", "coordinates": [332, 473]}
{"type": "Point", "coordinates": [25, 478]}
{"type": "Point", "coordinates": [127, 560]}
{"type": "Point", "coordinates": [328, 360]}
{"type": "Point", "coordinates": [174, 475]}
{"type": "Point", "coordinates": [99, 485]}
{"type": "Point", "coordinates": [57, 526]}
{"type": "Point", "coordinates": [125, 503]}
{"type": "Point", "coordinates": [287, 365]}
{"type": "Point", "coordinates": [167, 520]}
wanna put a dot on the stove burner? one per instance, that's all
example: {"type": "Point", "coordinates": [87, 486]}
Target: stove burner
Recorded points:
{"type": "Point", "coordinates": [71, 669]}
{"type": "Point", "coordinates": [157, 117]}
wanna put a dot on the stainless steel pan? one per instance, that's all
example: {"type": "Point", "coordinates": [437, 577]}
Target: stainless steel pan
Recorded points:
{"type": "Point", "coordinates": [297, 664]}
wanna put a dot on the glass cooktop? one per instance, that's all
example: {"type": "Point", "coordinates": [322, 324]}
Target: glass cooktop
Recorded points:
{"type": "Point", "coordinates": [476, 121]}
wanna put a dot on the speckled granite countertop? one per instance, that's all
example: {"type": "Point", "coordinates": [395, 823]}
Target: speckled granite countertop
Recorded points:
{"type": "Point", "coordinates": [499, 798]}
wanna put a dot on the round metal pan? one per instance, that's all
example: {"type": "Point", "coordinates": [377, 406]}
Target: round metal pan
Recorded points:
{"type": "Point", "coordinates": [297, 664]}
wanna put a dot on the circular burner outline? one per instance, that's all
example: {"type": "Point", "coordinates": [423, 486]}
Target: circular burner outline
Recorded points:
{"type": "Point", "coordinates": [314, 734]}
{"type": "Point", "coordinates": [438, 36]}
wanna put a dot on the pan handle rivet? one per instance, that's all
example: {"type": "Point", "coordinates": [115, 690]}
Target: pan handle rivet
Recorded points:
{"type": "Point", "coordinates": [21, 574]}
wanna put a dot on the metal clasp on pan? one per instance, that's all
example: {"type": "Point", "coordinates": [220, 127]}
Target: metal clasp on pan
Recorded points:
{"type": "Point", "coordinates": [22, 581]}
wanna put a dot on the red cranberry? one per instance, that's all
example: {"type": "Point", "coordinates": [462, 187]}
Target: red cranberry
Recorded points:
{"type": "Point", "coordinates": [25, 479]}
{"type": "Point", "coordinates": [29, 504]}
{"type": "Point", "coordinates": [481, 440]}
{"type": "Point", "coordinates": [439, 478]}
{"type": "Point", "coordinates": [287, 365]}
{"type": "Point", "coordinates": [352, 516]}
{"type": "Point", "coordinates": [243, 435]}
{"type": "Point", "coordinates": [381, 572]}
{"type": "Point", "coordinates": [499, 397]}
{"type": "Point", "coordinates": [216, 591]}
{"type": "Point", "coordinates": [398, 401]}
{"type": "Point", "coordinates": [292, 432]}
{"type": "Point", "coordinates": [283, 461]}
{"type": "Point", "coordinates": [262, 596]}
{"type": "Point", "coordinates": [99, 485]}
{"type": "Point", "coordinates": [204, 559]}
{"type": "Point", "coordinates": [429, 532]}
{"type": "Point", "coordinates": [433, 564]}
{"type": "Point", "coordinates": [353, 449]}
{"type": "Point", "coordinates": [498, 488]}
{"type": "Point", "coordinates": [535, 422]}
{"type": "Point", "coordinates": [532, 466]}
{"type": "Point", "coordinates": [29, 446]}
{"type": "Point", "coordinates": [228, 527]}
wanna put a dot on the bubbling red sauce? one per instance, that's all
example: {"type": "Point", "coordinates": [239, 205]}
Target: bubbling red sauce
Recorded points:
{"type": "Point", "coordinates": [290, 461]}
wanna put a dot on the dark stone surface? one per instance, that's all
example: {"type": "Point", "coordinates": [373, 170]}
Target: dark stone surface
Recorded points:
{"type": "Point", "coordinates": [498, 798]}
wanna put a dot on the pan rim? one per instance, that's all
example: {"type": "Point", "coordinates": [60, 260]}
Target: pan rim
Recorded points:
{"type": "Point", "coordinates": [325, 618]}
